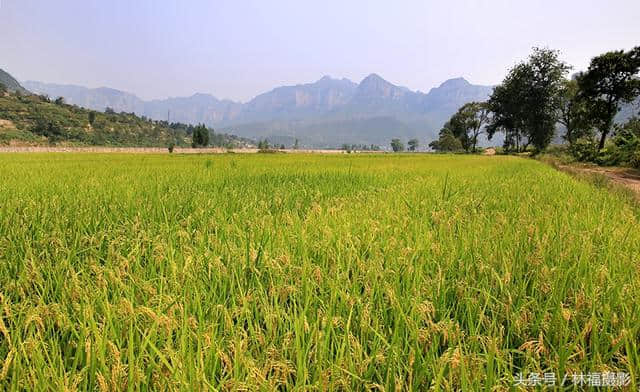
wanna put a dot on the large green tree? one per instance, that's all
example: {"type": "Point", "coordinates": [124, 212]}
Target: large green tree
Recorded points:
{"type": "Point", "coordinates": [610, 81]}
{"type": "Point", "coordinates": [506, 109]}
{"type": "Point", "coordinates": [525, 106]}
{"type": "Point", "coordinates": [413, 144]}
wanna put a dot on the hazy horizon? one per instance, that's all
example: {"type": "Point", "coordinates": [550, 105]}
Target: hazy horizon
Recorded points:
{"type": "Point", "coordinates": [237, 50]}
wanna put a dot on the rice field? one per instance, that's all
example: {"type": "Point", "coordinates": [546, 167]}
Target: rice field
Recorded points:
{"type": "Point", "coordinates": [310, 272]}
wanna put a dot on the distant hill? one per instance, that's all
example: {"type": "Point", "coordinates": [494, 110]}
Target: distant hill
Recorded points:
{"type": "Point", "coordinates": [10, 82]}
{"type": "Point", "coordinates": [28, 119]}
{"type": "Point", "coordinates": [326, 113]}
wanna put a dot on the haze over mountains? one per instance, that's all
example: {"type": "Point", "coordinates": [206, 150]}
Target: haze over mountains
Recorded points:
{"type": "Point", "coordinates": [326, 113]}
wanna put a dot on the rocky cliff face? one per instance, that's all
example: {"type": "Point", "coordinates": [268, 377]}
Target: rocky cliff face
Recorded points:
{"type": "Point", "coordinates": [303, 99]}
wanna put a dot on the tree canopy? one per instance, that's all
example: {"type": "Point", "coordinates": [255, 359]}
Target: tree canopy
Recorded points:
{"type": "Point", "coordinates": [447, 142]}
{"type": "Point", "coordinates": [467, 124]}
{"type": "Point", "coordinates": [397, 145]}
{"type": "Point", "coordinates": [525, 105]}
{"type": "Point", "coordinates": [610, 80]}
{"type": "Point", "coordinates": [413, 144]}
{"type": "Point", "coordinates": [200, 137]}
{"type": "Point", "coordinates": [572, 112]}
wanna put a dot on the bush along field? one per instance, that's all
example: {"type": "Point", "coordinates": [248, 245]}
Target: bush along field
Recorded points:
{"type": "Point", "coordinates": [276, 271]}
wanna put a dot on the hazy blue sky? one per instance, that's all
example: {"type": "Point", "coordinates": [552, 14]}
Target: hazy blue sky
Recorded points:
{"type": "Point", "coordinates": [237, 49]}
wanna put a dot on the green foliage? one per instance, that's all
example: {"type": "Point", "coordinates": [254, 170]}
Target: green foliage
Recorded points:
{"type": "Point", "coordinates": [397, 145]}
{"type": "Point", "coordinates": [51, 130]}
{"type": "Point", "coordinates": [216, 139]}
{"type": "Point", "coordinates": [92, 117]}
{"type": "Point", "coordinates": [626, 144]}
{"type": "Point", "coordinates": [467, 124]}
{"type": "Point", "coordinates": [610, 80]}
{"type": "Point", "coordinates": [200, 137]}
{"type": "Point", "coordinates": [413, 144]}
{"type": "Point", "coordinates": [525, 106]}
{"type": "Point", "coordinates": [573, 113]}
{"type": "Point", "coordinates": [447, 142]}
{"type": "Point", "coordinates": [359, 147]}
{"type": "Point", "coordinates": [584, 150]}
{"type": "Point", "coordinates": [263, 144]}
{"type": "Point", "coordinates": [622, 150]}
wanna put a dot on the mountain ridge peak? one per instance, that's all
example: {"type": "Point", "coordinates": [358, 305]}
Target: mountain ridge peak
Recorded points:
{"type": "Point", "coordinates": [455, 82]}
{"type": "Point", "coordinates": [374, 78]}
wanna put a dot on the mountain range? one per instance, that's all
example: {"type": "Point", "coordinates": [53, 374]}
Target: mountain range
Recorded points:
{"type": "Point", "coordinates": [326, 113]}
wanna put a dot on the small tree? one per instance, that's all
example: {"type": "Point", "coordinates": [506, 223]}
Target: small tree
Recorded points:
{"type": "Point", "coordinates": [109, 110]}
{"type": "Point", "coordinates": [446, 142]}
{"type": "Point", "coordinates": [92, 117]}
{"type": "Point", "coordinates": [413, 144]}
{"type": "Point", "coordinates": [59, 101]}
{"type": "Point", "coordinates": [397, 145]}
{"type": "Point", "coordinates": [200, 137]}
{"type": "Point", "coordinates": [296, 145]}
{"type": "Point", "coordinates": [204, 131]}
{"type": "Point", "coordinates": [610, 80]}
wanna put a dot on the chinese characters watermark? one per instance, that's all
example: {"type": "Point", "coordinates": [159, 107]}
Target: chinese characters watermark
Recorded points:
{"type": "Point", "coordinates": [592, 379]}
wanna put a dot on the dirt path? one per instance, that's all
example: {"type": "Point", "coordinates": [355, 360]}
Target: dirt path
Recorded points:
{"type": "Point", "coordinates": [629, 178]}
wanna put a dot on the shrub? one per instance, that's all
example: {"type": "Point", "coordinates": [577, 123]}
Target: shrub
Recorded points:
{"type": "Point", "coordinates": [625, 146]}
{"type": "Point", "coordinates": [584, 150]}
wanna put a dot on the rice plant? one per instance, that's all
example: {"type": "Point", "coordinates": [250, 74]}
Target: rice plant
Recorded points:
{"type": "Point", "coordinates": [310, 272]}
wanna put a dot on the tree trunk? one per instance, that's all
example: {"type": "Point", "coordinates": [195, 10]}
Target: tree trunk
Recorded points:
{"type": "Point", "coordinates": [603, 138]}
{"type": "Point", "coordinates": [607, 128]}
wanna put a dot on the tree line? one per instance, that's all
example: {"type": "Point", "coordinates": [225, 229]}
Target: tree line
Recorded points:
{"type": "Point", "coordinates": [536, 97]}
